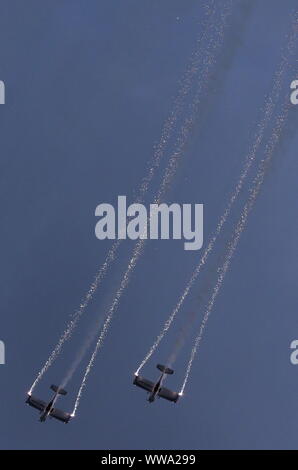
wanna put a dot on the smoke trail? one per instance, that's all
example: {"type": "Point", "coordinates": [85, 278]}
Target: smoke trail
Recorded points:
{"type": "Point", "coordinates": [254, 191]}
{"type": "Point", "coordinates": [180, 339]}
{"type": "Point", "coordinates": [77, 315]}
{"type": "Point", "coordinates": [159, 150]}
{"type": "Point", "coordinates": [78, 358]}
{"type": "Point", "coordinates": [185, 88]}
{"type": "Point", "coordinates": [249, 160]}
{"type": "Point", "coordinates": [114, 305]}
{"type": "Point", "coordinates": [208, 63]}
{"type": "Point", "coordinates": [209, 59]}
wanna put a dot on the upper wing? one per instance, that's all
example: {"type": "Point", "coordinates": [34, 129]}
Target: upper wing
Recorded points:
{"type": "Point", "coordinates": [168, 394]}
{"type": "Point", "coordinates": [143, 383]}
{"type": "Point", "coordinates": [61, 415]}
{"type": "Point", "coordinates": [36, 403]}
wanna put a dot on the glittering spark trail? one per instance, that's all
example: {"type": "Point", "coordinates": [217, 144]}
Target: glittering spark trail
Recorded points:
{"type": "Point", "coordinates": [180, 340]}
{"type": "Point", "coordinates": [268, 110]}
{"type": "Point", "coordinates": [77, 315]}
{"type": "Point", "coordinates": [209, 60]}
{"type": "Point", "coordinates": [253, 193]}
{"type": "Point", "coordinates": [185, 88]}
{"type": "Point", "coordinates": [113, 307]}
{"type": "Point", "coordinates": [159, 151]}
{"type": "Point", "coordinates": [217, 31]}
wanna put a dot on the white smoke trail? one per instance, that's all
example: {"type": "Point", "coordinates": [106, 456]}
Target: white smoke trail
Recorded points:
{"type": "Point", "coordinates": [208, 63]}
{"type": "Point", "coordinates": [210, 55]}
{"type": "Point", "coordinates": [180, 340]}
{"type": "Point", "coordinates": [77, 315]}
{"type": "Point", "coordinates": [254, 191]}
{"type": "Point", "coordinates": [185, 88]}
{"type": "Point", "coordinates": [114, 305]}
{"type": "Point", "coordinates": [249, 160]}
{"type": "Point", "coordinates": [166, 133]}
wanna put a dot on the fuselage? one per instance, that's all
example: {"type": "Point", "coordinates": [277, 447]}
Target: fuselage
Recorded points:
{"type": "Point", "coordinates": [45, 413]}
{"type": "Point", "coordinates": [156, 389]}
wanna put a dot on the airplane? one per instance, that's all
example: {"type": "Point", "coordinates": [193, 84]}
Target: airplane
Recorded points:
{"type": "Point", "coordinates": [47, 409]}
{"type": "Point", "coordinates": [156, 389]}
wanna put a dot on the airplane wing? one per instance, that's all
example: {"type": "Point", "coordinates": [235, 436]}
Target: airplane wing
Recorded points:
{"type": "Point", "coordinates": [61, 415]}
{"type": "Point", "coordinates": [36, 403]}
{"type": "Point", "coordinates": [143, 383]}
{"type": "Point", "coordinates": [168, 394]}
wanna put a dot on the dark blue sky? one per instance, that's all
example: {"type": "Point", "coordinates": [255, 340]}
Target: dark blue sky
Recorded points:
{"type": "Point", "coordinates": [88, 87]}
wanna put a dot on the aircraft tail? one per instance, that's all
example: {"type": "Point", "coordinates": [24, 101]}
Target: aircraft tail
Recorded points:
{"type": "Point", "coordinates": [164, 369]}
{"type": "Point", "coordinates": [59, 390]}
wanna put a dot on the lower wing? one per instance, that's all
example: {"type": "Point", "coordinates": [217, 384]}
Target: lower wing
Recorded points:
{"type": "Point", "coordinates": [36, 403]}
{"type": "Point", "coordinates": [143, 383]}
{"type": "Point", "coordinates": [168, 394]}
{"type": "Point", "coordinates": [61, 415]}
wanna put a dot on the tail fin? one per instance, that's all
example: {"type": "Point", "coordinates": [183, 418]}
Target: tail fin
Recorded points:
{"type": "Point", "coordinates": [59, 390]}
{"type": "Point", "coordinates": [164, 369]}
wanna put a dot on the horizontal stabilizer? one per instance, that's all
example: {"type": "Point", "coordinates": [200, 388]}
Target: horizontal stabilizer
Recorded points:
{"type": "Point", "coordinates": [59, 390]}
{"type": "Point", "coordinates": [164, 369]}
